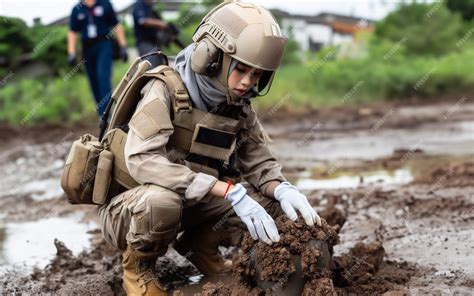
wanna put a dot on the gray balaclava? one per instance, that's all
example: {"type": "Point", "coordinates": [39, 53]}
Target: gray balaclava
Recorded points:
{"type": "Point", "coordinates": [205, 92]}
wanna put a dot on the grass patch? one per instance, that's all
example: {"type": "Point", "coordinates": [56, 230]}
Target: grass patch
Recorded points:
{"type": "Point", "coordinates": [370, 79]}
{"type": "Point", "coordinates": [296, 87]}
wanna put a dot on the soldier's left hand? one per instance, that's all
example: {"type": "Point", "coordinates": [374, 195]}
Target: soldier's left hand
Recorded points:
{"type": "Point", "coordinates": [291, 200]}
{"type": "Point", "coordinates": [123, 54]}
{"type": "Point", "coordinates": [71, 60]}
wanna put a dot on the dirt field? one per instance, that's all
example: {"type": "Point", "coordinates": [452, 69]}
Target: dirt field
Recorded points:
{"type": "Point", "coordinates": [397, 178]}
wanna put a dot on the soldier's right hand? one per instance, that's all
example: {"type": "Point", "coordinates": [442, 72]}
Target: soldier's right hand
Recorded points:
{"type": "Point", "coordinates": [72, 60]}
{"type": "Point", "coordinates": [259, 223]}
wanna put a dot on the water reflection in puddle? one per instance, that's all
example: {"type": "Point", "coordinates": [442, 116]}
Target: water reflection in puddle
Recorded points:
{"type": "Point", "coordinates": [44, 189]}
{"type": "Point", "coordinates": [29, 244]}
{"type": "Point", "coordinates": [396, 177]}
{"type": "Point", "coordinates": [195, 279]}
{"type": "Point", "coordinates": [38, 190]}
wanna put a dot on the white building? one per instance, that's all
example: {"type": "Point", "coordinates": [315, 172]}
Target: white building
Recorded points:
{"type": "Point", "coordinates": [313, 32]}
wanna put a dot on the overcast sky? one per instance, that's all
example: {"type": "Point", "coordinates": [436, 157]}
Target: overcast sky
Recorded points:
{"type": "Point", "coordinates": [50, 10]}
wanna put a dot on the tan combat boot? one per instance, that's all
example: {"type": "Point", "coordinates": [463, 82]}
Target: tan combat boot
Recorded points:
{"type": "Point", "coordinates": [138, 273]}
{"type": "Point", "coordinates": [200, 246]}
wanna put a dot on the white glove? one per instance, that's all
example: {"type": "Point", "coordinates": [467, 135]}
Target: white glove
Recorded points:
{"type": "Point", "coordinates": [259, 223]}
{"type": "Point", "coordinates": [290, 199]}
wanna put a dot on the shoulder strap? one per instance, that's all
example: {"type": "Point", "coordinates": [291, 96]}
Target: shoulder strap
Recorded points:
{"type": "Point", "coordinates": [127, 93]}
{"type": "Point", "coordinates": [127, 99]}
{"type": "Point", "coordinates": [109, 118]}
{"type": "Point", "coordinates": [175, 85]}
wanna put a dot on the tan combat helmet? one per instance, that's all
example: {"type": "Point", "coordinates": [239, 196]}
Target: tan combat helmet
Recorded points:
{"type": "Point", "coordinates": [246, 32]}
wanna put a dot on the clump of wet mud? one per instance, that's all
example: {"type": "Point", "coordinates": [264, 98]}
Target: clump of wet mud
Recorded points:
{"type": "Point", "coordinates": [359, 266]}
{"type": "Point", "coordinates": [334, 215]}
{"type": "Point", "coordinates": [92, 272]}
{"type": "Point", "coordinates": [276, 262]}
{"type": "Point", "coordinates": [96, 272]}
{"type": "Point", "coordinates": [262, 269]}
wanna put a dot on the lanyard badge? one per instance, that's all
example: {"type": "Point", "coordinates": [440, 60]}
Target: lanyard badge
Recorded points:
{"type": "Point", "coordinates": [91, 27]}
{"type": "Point", "coordinates": [91, 30]}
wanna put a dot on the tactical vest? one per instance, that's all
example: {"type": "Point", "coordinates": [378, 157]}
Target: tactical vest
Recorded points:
{"type": "Point", "coordinates": [95, 169]}
{"type": "Point", "coordinates": [203, 141]}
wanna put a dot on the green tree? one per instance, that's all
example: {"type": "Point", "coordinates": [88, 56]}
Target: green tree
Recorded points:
{"type": "Point", "coordinates": [50, 46]}
{"type": "Point", "coordinates": [211, 3]}
{"type": "Point", "coordinates": [15, 41]}
{"type": "Point", "coordinates": [464, 7]}
{"type": "Point", "coordinates": [425, 28]}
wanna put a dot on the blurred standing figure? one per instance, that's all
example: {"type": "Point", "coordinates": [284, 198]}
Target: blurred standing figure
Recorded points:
{"type": "Point", "coordinates": [96, 22]}
{"type": "Point", "coordinates": [147, 26]}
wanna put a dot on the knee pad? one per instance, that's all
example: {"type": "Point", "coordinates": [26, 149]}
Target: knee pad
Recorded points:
{"type": "Point", "coordinates": [164, 215]}
{"type": "Point", "coordinates": [157, 225]}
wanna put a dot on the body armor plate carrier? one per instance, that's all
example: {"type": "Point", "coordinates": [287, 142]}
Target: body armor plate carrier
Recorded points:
{"type": "Point", "coordinates": [95, 169]}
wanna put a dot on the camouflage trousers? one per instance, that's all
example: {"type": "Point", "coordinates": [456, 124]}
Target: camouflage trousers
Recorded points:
{"type": "Point", "coordinates": [149, 217]}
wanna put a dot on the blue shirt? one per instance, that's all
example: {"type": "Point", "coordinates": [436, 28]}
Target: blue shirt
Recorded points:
{"type": "Point", "coordinates": [141, 11]}
{"type": "Point", "coordinates": [101, 15]}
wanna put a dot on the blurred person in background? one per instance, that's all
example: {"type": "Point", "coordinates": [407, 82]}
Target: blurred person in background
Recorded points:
{"type": "Point", "coordinates": [96, 22]}
{"type": "Point", "coordinates": [148, 27]}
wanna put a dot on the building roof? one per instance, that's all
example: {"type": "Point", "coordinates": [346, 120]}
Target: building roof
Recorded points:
{"type": "Point", "coordinates": [322, 18]}
{"type": "Point", "coordinates": [339, 23]}
{"type": "Point", "coordinates": [330, 17]}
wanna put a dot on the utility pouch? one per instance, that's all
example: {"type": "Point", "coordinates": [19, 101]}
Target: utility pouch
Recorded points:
{"type": "Point", "coordinates": [80, 170]}
{"type": "Point", "coordinates": [103, 177]}
{"type": "Point", "coordinates": [115, 140]}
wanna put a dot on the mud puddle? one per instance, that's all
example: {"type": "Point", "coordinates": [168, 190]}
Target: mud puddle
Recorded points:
{"type": "Point", "coordinates": [350, 180]}
{"type": "Point", "coordinates": [422, 213]}
{"type": "Point", "coordinates": [33, 169]}
{"type": "Point", "coordinates": [328, 146]}
{"type": "Point", "coordinates": [27, 245]}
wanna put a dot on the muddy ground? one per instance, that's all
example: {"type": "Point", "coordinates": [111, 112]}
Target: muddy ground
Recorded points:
{"type": "Point", "coordinates": [400, 176]}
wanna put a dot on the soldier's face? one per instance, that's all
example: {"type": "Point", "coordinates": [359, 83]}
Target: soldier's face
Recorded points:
{"type": "Point", "coordinates": [242, 78]}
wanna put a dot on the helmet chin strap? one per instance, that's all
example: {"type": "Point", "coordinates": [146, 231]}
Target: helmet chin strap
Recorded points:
{"type": "Point", "coordinates": [223, 78]}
